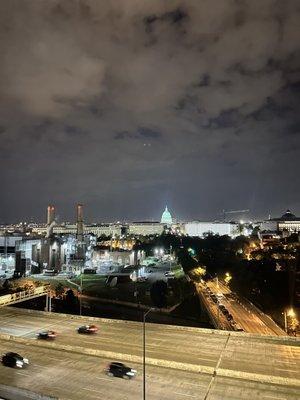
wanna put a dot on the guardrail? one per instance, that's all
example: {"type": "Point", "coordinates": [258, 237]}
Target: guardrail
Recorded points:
{"type": "Point", "coordinates": [24, 295]}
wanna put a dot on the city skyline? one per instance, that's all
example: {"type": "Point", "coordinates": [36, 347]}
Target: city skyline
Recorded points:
{"type": "Point", "coordinates": [126, 108]}
{"type": "Point", "coordinates": [223, 216]}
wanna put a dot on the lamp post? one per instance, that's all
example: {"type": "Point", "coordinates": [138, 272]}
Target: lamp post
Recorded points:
{"type": "Point", "coordinates": [144, 351]}
{"type": "Point", "coordinates": [285, 321]}
{"type": "Point", "coordinates": [80, 298]}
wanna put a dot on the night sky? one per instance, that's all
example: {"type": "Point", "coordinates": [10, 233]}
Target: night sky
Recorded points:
{"type": "Point", "coordinates": [129, 105]}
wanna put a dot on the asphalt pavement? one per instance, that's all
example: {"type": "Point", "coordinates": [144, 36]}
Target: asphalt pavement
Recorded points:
{"type": "Point", "coordinates": [77, 376]}
{"type": "Point", "coordinates": [244, 313]}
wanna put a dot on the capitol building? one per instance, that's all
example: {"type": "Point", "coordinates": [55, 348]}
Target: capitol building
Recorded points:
{"type": "Point", "coordinates": [166, 217]}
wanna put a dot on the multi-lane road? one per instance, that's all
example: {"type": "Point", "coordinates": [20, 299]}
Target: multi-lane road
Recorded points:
{"type": "Point", "coordinates": [72, 375]}
{"type": "Point", "coordinates": [244, 313]}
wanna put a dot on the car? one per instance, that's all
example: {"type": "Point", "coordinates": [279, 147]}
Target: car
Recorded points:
{"type": "Point", "coordinates": [169, 274]}
{"type": "Point", "coordinates": [238, 328]}
{"type": "Point", "coordinates": [141, 279]}
{"type": "Point", "coordinates": [47, 335]}
{"type": "Point", "coordinates": [14, 360]}
{"type": "Point", "coordinates": [120, 370]}
{"type": "Point", "coordinates": [87, 329]}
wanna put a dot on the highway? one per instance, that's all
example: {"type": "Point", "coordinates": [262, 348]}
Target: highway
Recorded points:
{"type": "Point", "coordinates": [70, 375]}
{"type": "Point", "coordinates": [245, 314]}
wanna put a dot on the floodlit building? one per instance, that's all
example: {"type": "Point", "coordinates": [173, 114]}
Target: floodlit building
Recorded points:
{"type": "Point", "coordinates": [166, 217]}
{"type": "Point", "coordinates": [145, 228]}
{"type": "Point", "coordinates": [200, 229]}
{"type": "Point", "coordinates": [287, 222]}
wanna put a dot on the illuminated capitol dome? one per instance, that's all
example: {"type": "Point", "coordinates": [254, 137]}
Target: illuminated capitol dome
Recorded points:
{"type": "Point", "coordinates": [166, 217]}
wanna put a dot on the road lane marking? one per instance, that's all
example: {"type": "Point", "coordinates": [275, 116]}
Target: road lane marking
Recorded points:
{"type": "Point", "coordinates": [91, 390]}
{"type": "Point", "coordinates": [22, 373]}
{"type": "Point", "coordinates": [184, 394]}
{"type": "Point", "coordinates": [39, 366]}
{"type": "Point", "coordinates": [104, 379]}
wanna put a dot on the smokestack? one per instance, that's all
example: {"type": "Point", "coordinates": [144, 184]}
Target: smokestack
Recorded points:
{"type": "Point", "coordinates": [80, 222]}
{"type": "Point", "coordinates": [50, 214]}
{"type": "Point", "coordinates": [50, 220]}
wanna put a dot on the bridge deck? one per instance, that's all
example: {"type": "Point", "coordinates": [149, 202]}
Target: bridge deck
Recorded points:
{"type": "Point", "coordinates": [251, 361]}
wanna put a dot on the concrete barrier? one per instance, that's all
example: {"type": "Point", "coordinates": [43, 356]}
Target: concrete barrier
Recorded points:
{"type": "Point", "coordinates": [261, 378]}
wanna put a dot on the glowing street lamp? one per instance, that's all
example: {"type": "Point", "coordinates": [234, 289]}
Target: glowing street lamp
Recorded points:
{"type": "Point", "coordinates": [291, 313]}
{"type": "Point", "coordinates": [290, 320]}
{"type": "Point", "coordinates": [228, 277]}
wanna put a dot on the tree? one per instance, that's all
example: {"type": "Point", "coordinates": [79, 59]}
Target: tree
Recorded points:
{"type": "Point", "coordinates": [158, 293]}
{"type": "Point", "coordinates": [59, 289]}
{"type": "Point", "coordinates": [71, 301]}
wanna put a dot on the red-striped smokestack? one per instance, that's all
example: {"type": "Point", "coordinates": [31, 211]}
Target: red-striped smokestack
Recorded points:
{"type": "Point", "coordinates": [50, 220]}
{"type": "Point", "coordinates": [80, 222]}
{"type": "Point", "coordinates": [50, 214]}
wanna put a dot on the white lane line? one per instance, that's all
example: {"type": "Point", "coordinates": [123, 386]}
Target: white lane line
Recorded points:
{"type": "Point", "coordinates": [184, 394]}
{"type": "Point", "coordinates": [195, 384]}
{"type": "Point", "coordinates": [287, 370]}
{"type": "Point", "coordinates": [287, 362]}
{"type": "Point", "coordinates": [22, 373]}
{"type": "Point", "coordinates": [91, 390]}
{"type": "Point", "coordinates": [39, 366]}
{"type": "Point", "coordinates": [104, 379]}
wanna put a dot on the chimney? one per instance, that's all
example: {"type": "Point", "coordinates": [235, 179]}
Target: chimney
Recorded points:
{"type": "Point", "coordinates": [80, 222]}
{"type": "Point", "coordinates": [50, 220]}
{"type": "Point", "coordinates": [50, 214]}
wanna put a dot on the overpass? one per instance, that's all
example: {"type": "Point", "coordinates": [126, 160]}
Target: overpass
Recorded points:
{"type": "Point", "coordinates": [182, 362]}
{"type": "Point", "coordinates": [245, 315]}
{"type": "Point", "coordinates": [32, 293]}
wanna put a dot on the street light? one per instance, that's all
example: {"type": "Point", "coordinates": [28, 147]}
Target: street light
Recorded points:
{"type": "Point", "coordinates": [291, 313]}
{"type": "Point", "coordinates": [144, 350]}
{"type": "Point", "coordinates": [80, 298]}
{"type": "Point", "coordinates": [228, 277]}
{"type": "Point", "coordinates": [290, 320]}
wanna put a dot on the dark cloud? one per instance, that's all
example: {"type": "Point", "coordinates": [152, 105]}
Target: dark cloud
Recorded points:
{"type": "Point", "coordinates": [194, 103]}
{"type": "Point", "coordinates": [141, 133]}
{"type": "Point", "coordinates": [72, 130]}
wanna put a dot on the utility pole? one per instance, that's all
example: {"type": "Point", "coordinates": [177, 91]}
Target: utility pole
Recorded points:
{"type": "Point", "coordinates": [80, 297]}
{"type": "Point", "coordinates": [144, 351]}
{"type": "Point", "coordinates": [285, 321]}
{"type": "Point", "coordinates": [218, 314]}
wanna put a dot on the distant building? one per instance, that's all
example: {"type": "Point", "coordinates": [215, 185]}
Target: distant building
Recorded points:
{"type": "Point", "coordinates": [287, 222]}
{"type": "Point", "coordinates": [166, 217]}
{"type": "Point", "coordinates": [145, 228]}
{"type": "Point", "coordinates": [199, 229]}
{"type": "Point", "coordinates": [98, 230]}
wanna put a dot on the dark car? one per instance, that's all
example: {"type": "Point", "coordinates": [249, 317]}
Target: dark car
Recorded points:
{"type": "Point", "coordinates": [88, 329]}
{"type": "Point", "coordinates": [120, 370]}
{"type": "Point", "coordinates": [229, 317]}
{"type": "Point", "coordinates": [47, 335]}
{"type": "Point", "coordinates": [14, 360]}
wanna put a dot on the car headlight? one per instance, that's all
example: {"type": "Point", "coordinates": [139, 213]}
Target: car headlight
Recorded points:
{"type": "Point", "coordinates": [130, 373]}
{"type": "Point", "coordinates": [25, 360]}
{"type": "Point", "coordinates": [19, 364]}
